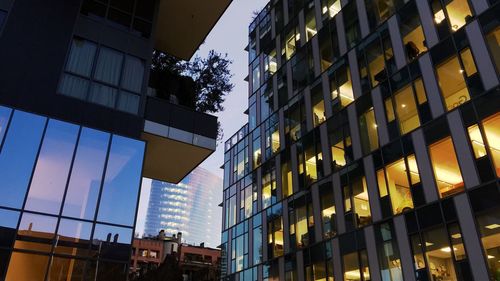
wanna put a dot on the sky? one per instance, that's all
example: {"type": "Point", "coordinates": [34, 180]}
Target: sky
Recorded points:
{"type": "Point", "coordinates": [230, 35]}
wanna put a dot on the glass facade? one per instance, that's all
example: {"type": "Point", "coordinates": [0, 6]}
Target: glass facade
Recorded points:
{"type": "Point", "coordinates": [69, 199]}
{"type": "Point", "coordinates": [189, 207]}
{"type": "Point", "coordinates": [371, 150]}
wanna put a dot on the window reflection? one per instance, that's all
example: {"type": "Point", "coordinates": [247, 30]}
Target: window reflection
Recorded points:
{"type": "Point", "coordinates": [439, 254]}
{"type": "Point", "coordinates": [73, 237]}
{"type": "Point", "coordinates": [19, 262]}
{"type": "Point", "coordinates": [18, 157]}
{"type": "Point", "coordinates": [489, 228]}
{"type": "Point", "coordinates": [4, 120]}
{"type": "Point", "coordinates": [452, 83]}
{"type": "Point", "coordinates": [52, 167]}
{"type": "Point", "coordinates": [446, 170]}
{"type": "Point", "coordinates": [86, 175]}
{"type": "Point", "coordinates": [388, 253]}
{"type": "Point", "coordinates": [8, 225]}
{"type": "Point", "coordinates": [66, 269]}
{"type": "Point", "coordinates": [369, 132]}
{"type": "Point", "coordinates": [36, 232]}
{"type": "Point", "coordinates": [122, 180]}
{"type": "Point", "coordinates": [111, 242]}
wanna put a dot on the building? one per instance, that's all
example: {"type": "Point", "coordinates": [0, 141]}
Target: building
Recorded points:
{"type": "Point", "coordinates": [189, 207]}
{"type": "Point", "coordinates": [372, 145]}
{"type": "Point", "coordinates": [197, 263]}
{"type": "Point", "coordinates": [79, 128]}
{"type": "Point", "coordinates": [149, 253]}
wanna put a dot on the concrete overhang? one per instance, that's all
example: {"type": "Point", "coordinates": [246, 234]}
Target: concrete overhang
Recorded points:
{"type": "Point", "coordinates": [178, 140]}
{"type": "Point", "coordinates": [183, 25]}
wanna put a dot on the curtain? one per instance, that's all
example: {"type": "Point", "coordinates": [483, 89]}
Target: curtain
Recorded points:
{"type": "Point", "coordinates": [81, 57]}
{"type": "Point", "coordinates": [128, 102]}
{"type": "Point", "coordinates": [109, 65]}
{"type": "Point", "coordinates": [74, 87]}
{"type": "Point", "coordinates": [133, 74]}
{"type": "Point", "coordinates": [103, 95]}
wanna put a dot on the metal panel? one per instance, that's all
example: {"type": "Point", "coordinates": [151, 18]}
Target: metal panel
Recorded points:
{"type": "Point", "coordinates": [404, 249]}
{"type": "Point", "coordinates": [373, 195]}
{"type": "Point", "coordinates": [431, 86]}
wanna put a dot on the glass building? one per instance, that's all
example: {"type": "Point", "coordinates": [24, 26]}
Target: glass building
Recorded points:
{"type": "Point", "coordinates": [372, 148]}
{"type": "Point", "coordinates": [80, 127]}
{"type": "Point", "coordinates": [189, 207]}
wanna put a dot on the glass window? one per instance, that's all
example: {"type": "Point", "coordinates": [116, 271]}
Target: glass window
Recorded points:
{"type": "Point", "coordinates": [439, 254]}
{"type": "Point", "coordinates": [8, 226]}
{"type": "Point", "coordinates": [256, 76]}
{"type": "Point", "coordinates": [493, 41]}
{"type": "Point", "coordinates": [103, 95]}
{"type": "Point", "coordinates": [111, 242]}
{"type": "Point", "coordinates": [18, 157]}
{"type": "Point", "coordinates": [328, 213]}
{"type": "Point", "coordinates": [492, 132]}
{"type": "Point", "coordinates": [51, 171]}
{"type": "Point", "coordinates": [66, 269]}
{"type": "Point", "coordinates": [86, 175]}
{"type": "Point", "coordinates": [286, 175]}
{"type": "Point", "coordinates": [73, 237]}
{"type": "Point", "coordinates": [4, 121]}
{"type": "Point", "coordinates": [446, 170]}
{"type": "Point", "coordinates": [310, 22]}
{"type": "Point", "coordinates": [122, 181]}
{"type": "Point", "coordinates": [452, 83]}
{"type": "Point", "coordinates": [36, 232]}
{"type": "Point", "coordinates": [257, 245]}
{"type": "Point", "coordinates": [388, 253]}
{"type": "Point", "coordinates": [268, 185]}
{"type": "Point", "coordinates": [3, 15]}
{"type": "Point", "coordinates": [396, 185]}
{"type": "Point", "coordinates": [369, 132]}
{"type": "Point", "coordinates": [330, 7]}
{"type": "Point", "coordinates": [325, 49]}
{"type": "Point", "coordinates": [81, 57]}
{"type": "Point", "coordinates": [458, 12]}
{"type": "Point", "coordinates": [351, 23]}
{"type": "Point", "coordinates": [109, 65]}
{"type": "Point", "coordinates": [341, 88]}
{"type": "Point", "coordinates": [477, 141]}
{"type": "Point", "coordinates": [489, 228]}
{"type": "Point", "coordinates": [318, 105]}
{"type": "Point", "coordinates": [406, 109]}
{"type": "Point", "coordinates": [19, 262]}
{"type": "Point", "coordinates": [74, 87]}
{"type": "Point", "coordinates": [411, 31]}
{"type": "Point", "coordinates": [361, 202]}
{"type": "Point", "coordinates": [133, 73]}
{"type": "Point", "coordinates": [275, 231]}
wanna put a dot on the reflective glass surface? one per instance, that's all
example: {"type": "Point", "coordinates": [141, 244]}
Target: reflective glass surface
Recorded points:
{"type": "Point", "coordinates": [18, 157]}
{"type": "Point", "coordinates": [8, 225]}
{"type": "Point", "coordinates": [73, 237]}
{"type": "Point", "coordinates": [122, 181]}
{"type": "Point", "coordinates": [36, 232]}
{"type": "Point", "coordinates": [86, 175]}
{"type": "Point", "coordinates": [4, 120]}
{"type": "Point", "coordinates": [52, 168]}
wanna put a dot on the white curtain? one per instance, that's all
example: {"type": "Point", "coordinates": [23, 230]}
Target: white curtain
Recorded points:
{"type": "Point", "coordinates": [74, 87]}
{"type": "Point", "coordinates": [103, 95]}
{"type": "Point", "coordinates": [81, 57]}
{"type": "Point", "coordinates": [109, 65]}
{"type": "Point", "coordinates": [133, 74]}
{"type": "Point", "coordinates": [128, 102]}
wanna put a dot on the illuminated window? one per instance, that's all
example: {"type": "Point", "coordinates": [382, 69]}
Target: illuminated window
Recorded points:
{"type": "Point", "coordinates": [406, 109]}
{"type": "Point", "coordinates": [493, 41]}
{"type": "Point", "coordinates": [439, 253]}
{"type": "Point", "coordinates": [489, 228]}
{"type": "Point", "coordinates": [286, 175]}
{"type": "Point", "coordinates": [368, 131]}
{"type": "Point", "coordinates": [356, 266]}
{"type": "Point", "coordinates": [318, 105]}
{"type": "Point", "coordinates": [310, 22]}
{"type": "Point", "coordinates": [328, 213]}
{"type": "Point", "coordinates": [272, 135]}
{"type": "Point", "coordinates": [477, 141]}
{"type": "Point", "coordinates": [491, 127]}
{"type": "Point", "coordinates": [411, 31]}
{"type": "Point", "coordinates": [452, 83]}
{"type": "Point", "coordinates": [341, 146]}
{"type": "Point", "coordinates": [301, 222]}
{"type": "Point", "coordinates": [396, 184]}
{"type": "Point", "coordinates": [356, 201]}
{"type": "Point", "coordinates": [275, 231]}
{"type": "Point", "coordinates": [330, 7]}
{"type": "Point", "coordinates": [457, 14]}
{"type": "Point", "coordinates": [388, 253]}
{"type": "Point", "coordinates": [268, 185]}
{"type": "Point", "coordinates": [341, 88]}
{"type": "Point", "coordinates": [446, 170]}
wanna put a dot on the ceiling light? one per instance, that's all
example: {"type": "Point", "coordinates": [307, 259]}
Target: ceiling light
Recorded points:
{"type": "Point", "coordinates": [491, 257]}
{"type": "Point", "coordinates": [403, 105]}
{"type": "Point", "coordinates": [456, 236]}
{"type": "Point", "coordinates": [428, 244]}
{"type": "Point", "coordinates": [493, 226]}
{"type": "Point", "coordinates": [447, 249]}
{"type": "Point", "coordinates": [325, 9]}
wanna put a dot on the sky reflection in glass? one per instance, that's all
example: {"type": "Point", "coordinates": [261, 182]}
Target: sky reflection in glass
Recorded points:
{"type": "Point", "coordinates": [4, 120]}
{"type": "Point", "coordinates": [121, 184]}
{"type": "Point", "coordinates": [52, 168]}
{"type": "Point", "coordinates": [18, 157]}
{"type": "Point", "coordinates": [86, 175]}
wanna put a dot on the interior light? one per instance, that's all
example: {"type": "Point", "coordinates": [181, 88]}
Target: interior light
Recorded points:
{"type": "Point", "coordinates": [439, 16]}
{"type": "Point", "coordinates": [428, 244]}
{"type": "Point", "coordinates": [461, 71]}
{"type": "Point", "coordinates": [325, 9]}
{"type": "Point", "coordinates": [447, 249]}
{"type": "Point", "coordinates": [491, 257]}
{"type": "Point", "coordinates": [493, 226]}
{"type": "Point", "coordinates": [403, 105]}
{"type": "Point", "coordinates": [456, 236]}
{"type": "Point", "coordinates": [297, 37]}
{"type": "Point", "coordinates": [375, 126]}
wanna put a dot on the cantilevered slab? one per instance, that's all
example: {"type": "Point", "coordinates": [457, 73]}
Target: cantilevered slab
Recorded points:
{"type": "Point", "coordinates": [183, 25]}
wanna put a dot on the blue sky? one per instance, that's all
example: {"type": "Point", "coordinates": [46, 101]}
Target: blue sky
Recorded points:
{"type": "Point", "coordinates": [230, 35]}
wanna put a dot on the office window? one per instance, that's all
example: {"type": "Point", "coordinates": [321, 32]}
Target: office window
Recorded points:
{"type": "Point", "coordinates": [257, 239]}
{"type": "Point", "coordinates": [266, 100]}
{"type": "Point", "coordinates": [355, 266]}
{"type": "Point", "coordinates": [295, 120]}
{"type": "Point", "coordinates": [255, 75]}
{"type": "Point", "coordinates": [18, 156]}
{"type": "Point", "coordinates": [330, 7]}
{"type": "Point", "coordinates": [328, 212]}
{"type": "Point", "coordinates": [351, 23]}
{"type": "Point", "coordinates": [73, 237]}
{"type": "Point", "coordinates": [491, 127]}
{"type": "Point", "coordinates": [35, 232]}
{"type": "Point", "coordinates": [456, 13]}
{"type": "Point", "coordinates": [275, 231]}
{"type": "Point", "coordinates": [375, 59]}
{"type": "Point", "coordinates": [121, 182]}
{"type": "Point", "coordinates": [286, 174]}
{"type": "Point", "coordinates": [439, 253]}
{"type": "Point", "coordinates": [326, 54]}
{"type": "Point", "coordinates": [356, 203]}
{"type": "Point", "coordinates": [340, 144]}
{"type": "Point", "coordinates": [318, 105]}
{"type": "Point", "coordinates": [52, 168]}
{"type": "Point", "coordinates": [111, 242]}
{"type": "Point", "coordinates": [411, 31]}
{"type": "Point", "coordinates": [388, 252]}
{"type": "Point", "coordinates": [311, 29]}
{"type": "Point", "coordinates": [489, 229]}
{"type": "Point", "coordinates": [406, 109]}
{"type": "Point", "coordinates": [452, 83]}
{"type": "Point", "coordinates": [301, 222]}
{"type": "Point", "coordinates": [493, 41]}
{"type": "Point", "coordinates": [341, 87]}
{"type": "Point", "coordinates": [114, 80]}
{"type": "Point", "coordinates": [477, 141]}
{"type": "Point", "coordinates": [446, 170]}
{"type": "Point", "coordinates": [272, 135]}
{"type": "Point", "coordinates": [368, 130]}
{"type": "Point", "coordinates": [257, 150]}
{"type": "Point", "coordinates": [269, 191]}
{"type": "Point", "coordinates": [395, 183]}
{"type": "Point", "coordinates": [290, 42]}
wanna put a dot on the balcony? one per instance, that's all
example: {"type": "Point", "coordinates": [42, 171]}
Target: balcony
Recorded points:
{"type": "Point", "coordinates": [178, 138]}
